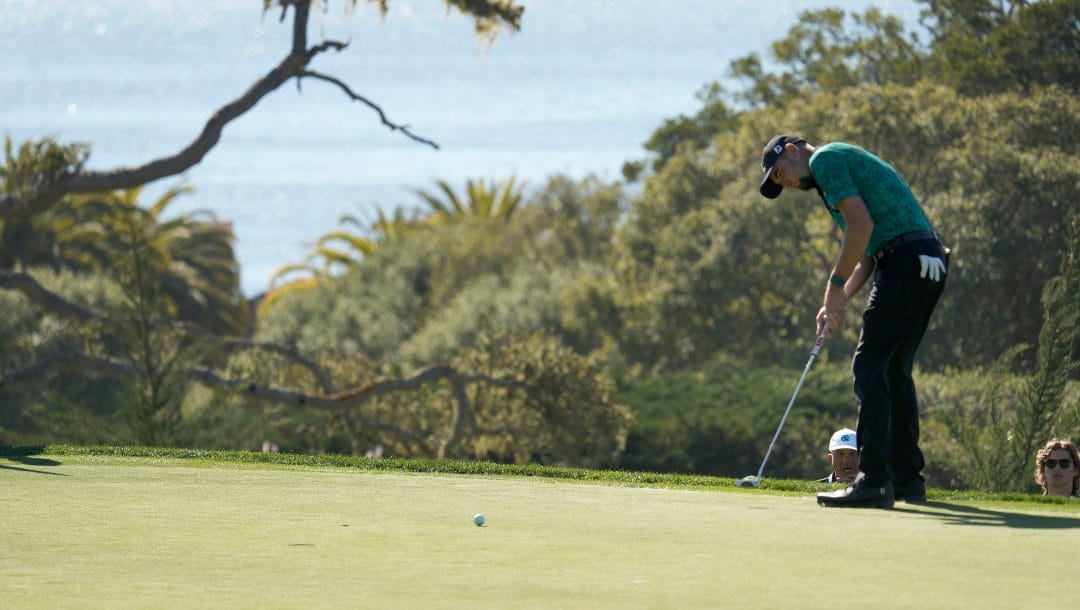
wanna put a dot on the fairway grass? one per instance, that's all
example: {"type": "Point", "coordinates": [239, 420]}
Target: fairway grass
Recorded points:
{"type": "Point", "coordinates": [137, 532]}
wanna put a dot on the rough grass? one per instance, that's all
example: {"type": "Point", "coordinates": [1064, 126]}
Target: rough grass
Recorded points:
{"type": "Point", "coordinates": [139, 527]}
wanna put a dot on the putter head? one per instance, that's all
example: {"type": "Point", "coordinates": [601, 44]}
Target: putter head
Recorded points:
{"type": "Point", "coordinates": [748, 481]}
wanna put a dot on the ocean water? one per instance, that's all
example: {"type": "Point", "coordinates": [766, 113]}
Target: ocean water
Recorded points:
{"type": "Point", "coordinates": [577, 91]}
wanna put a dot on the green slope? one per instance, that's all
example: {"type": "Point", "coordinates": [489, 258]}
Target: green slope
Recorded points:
{"type": "Point", "coordinates": [81, 529]}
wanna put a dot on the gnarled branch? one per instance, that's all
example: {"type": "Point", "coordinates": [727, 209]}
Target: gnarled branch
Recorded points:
{"type": "Point", "coordinates": [46, 300]}
{"type": "Point", "coordinates": [57, 305]}
{"type": "Point", "coordinates": [47, 366]}
{"type": "Point", "coordinates": [293, 65]}
{"type": "Point", "coordinates": [359, 98]}
{"type": "Point", "coordinates": [50, 365]}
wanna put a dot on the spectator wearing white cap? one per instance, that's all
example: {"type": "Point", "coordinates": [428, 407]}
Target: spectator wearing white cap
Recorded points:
{"type": "Point", "coordinates": [843, 456]}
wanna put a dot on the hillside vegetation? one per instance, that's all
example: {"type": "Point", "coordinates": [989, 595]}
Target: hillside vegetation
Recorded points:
{"type": "Point", "coordinates": [655, 323]}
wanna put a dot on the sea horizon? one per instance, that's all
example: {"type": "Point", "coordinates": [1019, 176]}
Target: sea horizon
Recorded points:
{"type": "Point", "coordinates": [577, 92]}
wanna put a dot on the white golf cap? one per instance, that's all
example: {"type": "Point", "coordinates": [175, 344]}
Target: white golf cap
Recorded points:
{"type": "Point", "coordinates": [843, 438]}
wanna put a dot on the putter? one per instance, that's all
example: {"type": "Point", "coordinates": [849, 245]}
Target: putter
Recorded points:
{"type": "Point", "coordinates": [755, 481]}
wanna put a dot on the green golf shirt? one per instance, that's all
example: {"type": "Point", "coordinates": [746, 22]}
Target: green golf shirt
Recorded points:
{"type": "Point", "coordinates": [843, 170]}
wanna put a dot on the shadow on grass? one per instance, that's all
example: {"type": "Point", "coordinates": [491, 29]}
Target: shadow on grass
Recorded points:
{"type": "Point", "coordinates": [25, 456]}
{"type": "Point", "coordinates": [960, 514]}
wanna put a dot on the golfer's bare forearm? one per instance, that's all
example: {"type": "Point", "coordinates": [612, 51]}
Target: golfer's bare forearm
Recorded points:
{"type": "Point", "coordinates": [859, 227]}
{"type": "Point", "coordinates": [863, 270]}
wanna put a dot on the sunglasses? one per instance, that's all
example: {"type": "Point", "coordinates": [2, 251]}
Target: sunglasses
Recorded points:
{"type": "Point", "coordinates": [1062, 463]}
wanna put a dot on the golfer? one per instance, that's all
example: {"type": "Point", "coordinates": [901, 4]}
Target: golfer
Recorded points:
{"type": "Point", "coordinates": [887, 235]}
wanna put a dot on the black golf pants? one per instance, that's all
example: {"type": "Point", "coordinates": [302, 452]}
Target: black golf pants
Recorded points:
{"type": "Point", "coordinates": [896, 317]}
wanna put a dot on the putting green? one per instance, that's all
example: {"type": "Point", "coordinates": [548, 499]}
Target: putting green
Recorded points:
{"type": "Point", "coordinates": [83, 531]}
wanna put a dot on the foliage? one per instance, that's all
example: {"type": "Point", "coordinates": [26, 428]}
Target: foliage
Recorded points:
{"type": "Point", "coordinates": [980, 47]}
{"type": "Point", "coordinates": [976, 47]}
{"type": "Point", "coordinates": [159, 351]}
{"type": "Point", "coordinates": [496, 201]}
{"type": "Point", "coordinates": [706, 264]}
{"type": "Point", "coordinates": [721, 418]}
{"type": "Point", "coordinates": [998, 436]}
{"type": "Point", "coordinates": [555, 407]}
{"type": "Point", "coordinates": [691, 290]}
{"type": "Point", "coordinates": [161, 270]}
{"type": "Point", "coordinates": [565, 413]}
{"type": "Point", "coordinates": [528, 300]}
{"type": "Point", "coordinates": [826, 51]}
{"type": "Point", "coordinates": [35, 168]}
{"type": "Point", "coordinates": [190, 257]}
{"type": "Point", "coordinates": [38, 165]}
{"type": "Point", "coordinates": [489, 16]}
{"type": "Point", "coordinates": [72, 407]}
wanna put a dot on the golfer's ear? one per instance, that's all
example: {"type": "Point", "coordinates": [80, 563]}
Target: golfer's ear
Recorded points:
{"type": "Point", "coordinates": [828, 457]}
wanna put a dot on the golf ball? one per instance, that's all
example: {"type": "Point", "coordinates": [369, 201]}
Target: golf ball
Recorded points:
{"type": "Point", "coordinates": [478, 519]}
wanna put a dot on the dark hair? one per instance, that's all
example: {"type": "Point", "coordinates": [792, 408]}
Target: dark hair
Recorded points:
{"type": "Point", "coordinates": [1044, 453]}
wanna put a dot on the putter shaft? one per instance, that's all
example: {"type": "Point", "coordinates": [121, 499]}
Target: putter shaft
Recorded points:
{"type": "Point", "coordinates": [813, 354]}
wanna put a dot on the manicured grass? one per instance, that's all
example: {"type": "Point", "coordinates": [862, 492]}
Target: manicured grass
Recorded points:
{"type": "Point", "coordinates": [131, 527]}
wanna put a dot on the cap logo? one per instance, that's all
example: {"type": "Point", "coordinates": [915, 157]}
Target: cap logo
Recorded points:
{"type": "Point", "coordinates": [766, 164]}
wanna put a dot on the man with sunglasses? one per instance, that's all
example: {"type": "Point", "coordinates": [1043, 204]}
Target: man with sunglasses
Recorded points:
{"type": "Point", "coordinates": [886, 235]}
{"type": "Point", "coordinates": [1057, 468]}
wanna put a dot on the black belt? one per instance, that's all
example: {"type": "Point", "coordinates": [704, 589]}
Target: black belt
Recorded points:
{"type": "Point", "coordinates": [900, 240]}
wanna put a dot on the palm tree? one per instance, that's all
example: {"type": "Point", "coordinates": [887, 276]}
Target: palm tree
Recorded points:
{"type": "Point", "coordinates": [342, 249]}
{"type": "Point", "coordinates": [496, 201]}
{"type": "Point", "coordinates": [72, 235]}
{"type": "Point", "coordinates": [191, 254]}
{"type": "Point", "coordinates": [27, 240]}
{"type": "Point", "coordinates": [337, 248]}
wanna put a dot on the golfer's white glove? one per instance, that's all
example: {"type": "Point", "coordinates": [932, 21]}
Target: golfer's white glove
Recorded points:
{"type": "Point", "coordinates": [932, 267]}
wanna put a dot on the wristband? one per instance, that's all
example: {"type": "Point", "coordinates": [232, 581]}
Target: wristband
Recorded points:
{"type": "Point", "coordinates": [837, 281]}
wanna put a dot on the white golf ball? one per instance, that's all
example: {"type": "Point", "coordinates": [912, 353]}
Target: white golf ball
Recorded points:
{"type": "Point", "coordinates": [478, 519]}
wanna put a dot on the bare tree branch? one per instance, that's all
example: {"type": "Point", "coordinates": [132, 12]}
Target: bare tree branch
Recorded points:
{"type": "Point", "coordinates": [293, 65]}
{"type": "Point", "coordinates": [348, 399]}
{"type": "Point", "coordinates": [57, 305]}
{"type": "Point", "coordinates": [231, 344]}
{"type": "Point", "coordinates": [46, 367]}
{"type": "Point", "coordinates": [48, 301]}
{"type": "Point", "coordinates": [359, 98]}
{"type": "Point", "coordinates": [50, 365]}
{"type": "Point", "coordinates": [290, 352]}
{"type": "Point", "coordinates": [461, 419]}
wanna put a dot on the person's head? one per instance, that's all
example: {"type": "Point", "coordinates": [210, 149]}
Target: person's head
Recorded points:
{"type": "Point", "coordinates": [1057, 468]}
{"type": "Point", "coordinates": [844, 455]}
{"type": "Point", "coordinates": [786, 164]}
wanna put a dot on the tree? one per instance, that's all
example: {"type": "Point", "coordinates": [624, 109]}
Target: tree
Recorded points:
{"type": "Point", "coordinates": [85, 232]}
{"type": "Point", "coordinates": [59, 172]}
{"type": "Point", "coordinates": [998, 437]}
{"type": "Point", "coordinates": [169, 260]}
{"type": "Point", "coordinates": [482, 200]}
{"type": "Point", "coordinates": [191, 260]}
{"type": "Point", "coordinates": [975, 47]}
{"type": "Point", "coordinates": [826, 51]}
{"type": "Point", "coordinates": [986, 46]}
{"type": "Point", "coordinates": [36, 164]}
{"type": "Point", "coordinates": [333, 250]}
